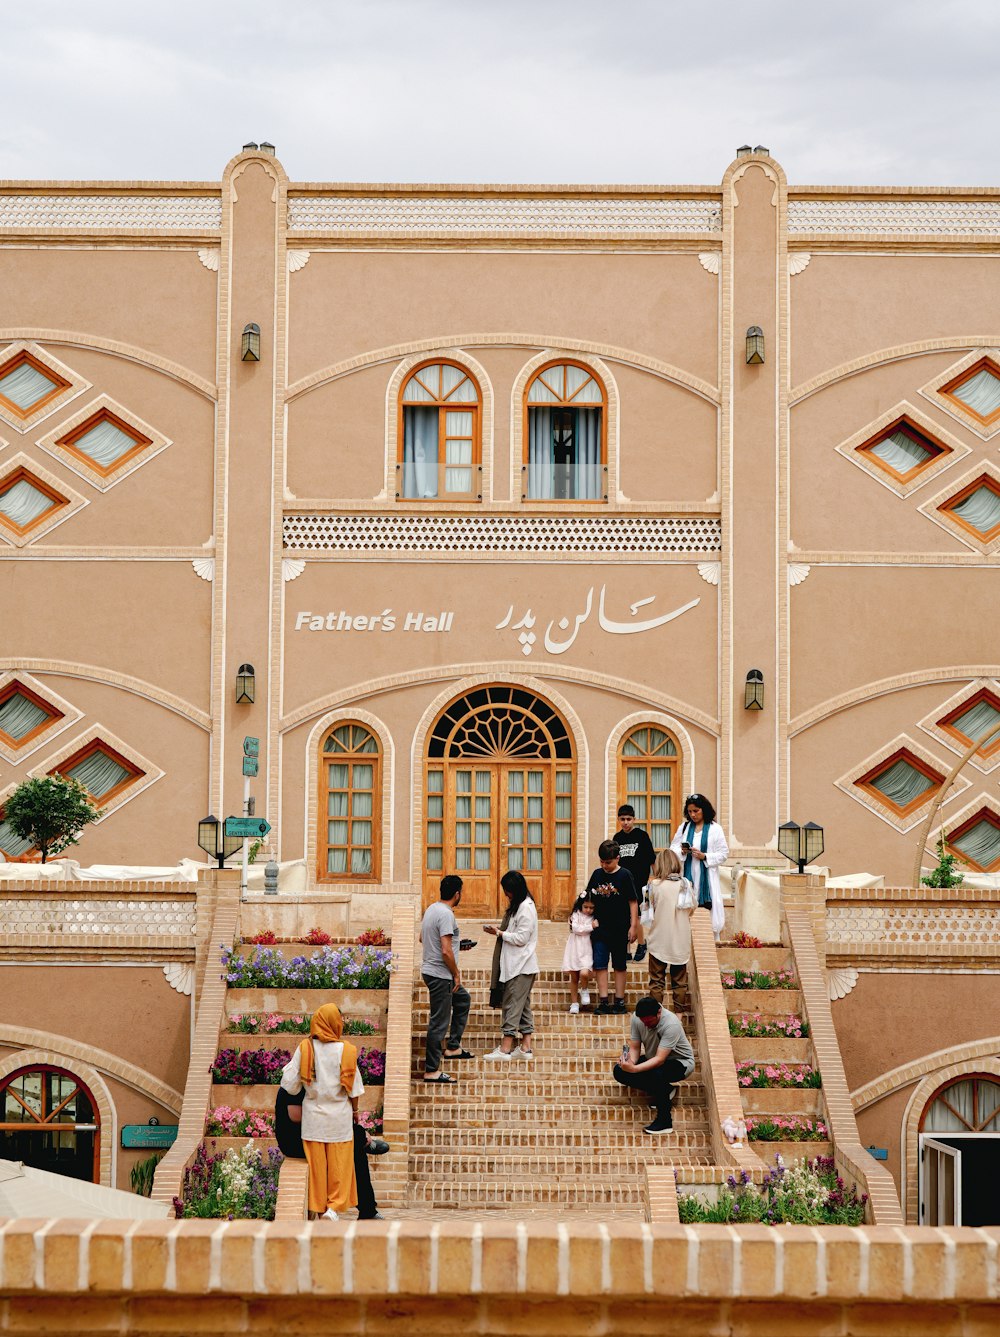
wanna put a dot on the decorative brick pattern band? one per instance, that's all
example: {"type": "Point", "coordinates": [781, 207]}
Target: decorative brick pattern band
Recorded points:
{"type": "Point", "coordinates": [934, 218]}
{"type": "Point", "coordinates": [113, 213]}
{"type": "Point", "coordinates": [47, 914]}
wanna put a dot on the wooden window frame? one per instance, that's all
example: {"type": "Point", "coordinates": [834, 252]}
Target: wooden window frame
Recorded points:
{"type": "Point", "coordinates": [903, 424]}
{"type": "Point", "coordinates": [946, 724]}
{"type": "Point", "coordinates": [18, 360]}
{"type": "Point", "coordinates": [563, 403]}
{"type": "Point", "coordinates": [901, 754]}
{"type": "Point", "coordinates": [983, 814]}
{"type": "Point", "coordinates": [17, 688]}
{"type": "Point", "coordinates": [99, 745]}
{"type": "Point", "coordinates": [948, 389]}
{"type": "Point", "coordinates": [322, 843]}
{"type": "Point", "coordinates": [16, 476]}
{"type": "Point", "coordinates": [647, 759]}
{"type": "Point", "coordinates": [947, 507]}
{"type": "Point", "coordinates": [47, 1122]}
{"type": "Point", "coordinates": [975, 1078]}
{"type": "Point", "coordinates": [25, 854]}
{"type": "Point", "coordinates": [443, 406]}
{"type": "Point", "coordinates": [104, 414]}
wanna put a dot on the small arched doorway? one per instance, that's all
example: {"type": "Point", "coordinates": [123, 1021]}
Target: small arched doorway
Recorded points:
{"type": "Point", "coordinates": [960, 1153]}
{"type": "Point", "coordinates": [499, 793]}
{"type": "Point", "coordinates": [50, 1120]}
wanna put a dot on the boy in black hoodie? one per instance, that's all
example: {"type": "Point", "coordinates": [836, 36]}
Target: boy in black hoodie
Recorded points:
{"type": "Point", "coordinates": [637, 855]}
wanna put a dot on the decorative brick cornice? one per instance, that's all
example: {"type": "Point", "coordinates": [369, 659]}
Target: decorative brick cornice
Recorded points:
{"type": "Point", "coordinates": [123, 211]}
{"type": "Point", "coordinates": [895, 217]}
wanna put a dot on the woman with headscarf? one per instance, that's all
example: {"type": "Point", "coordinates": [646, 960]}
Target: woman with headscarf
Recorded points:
{"type": "Point", "coordinates": [701, 847]}
{"type": "Point", "coordinates": [328, 1069]}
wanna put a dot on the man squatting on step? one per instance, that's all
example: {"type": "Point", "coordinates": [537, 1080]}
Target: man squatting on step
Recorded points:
{"type": "Point", "coordinates": [669, 1059]}
{"type": "Point", "coordinates": [449, 1000]}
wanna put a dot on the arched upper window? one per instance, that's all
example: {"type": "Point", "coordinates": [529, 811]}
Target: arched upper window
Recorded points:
{"type": "Point", "coordinates": [50, 1120]}
{"type": "Point", "coordinates": [439, 435]}
{"type": "Point", "coordinates": [648, 762]}
{"type": "Point", "coordinates": [350, 804]}
{"type": "Point", "coordinates": [968, 1105]}
{"type": "Point", "coordinates": [565, 451]}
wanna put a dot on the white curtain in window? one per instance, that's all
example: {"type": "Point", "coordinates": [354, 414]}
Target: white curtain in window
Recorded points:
{"type": "Point", "coordinates": [958, 1119]}
{"type": "Point", "coordinates": [541, 464]}
{"type": "Point", "coordinates": [981, 392]}
{"type": "Point", "coordinates": [989, 1107]}
{"type": "Point", "coordinates": [18, 716]}
{"type": "Point", "coordinates": [23, 503]}
{"type": "Point", "coordinates": [980, 509]}
{"type": "Point", "coordinates": [98, 773]}
{"type": "Point", "coordinates": [588, 478]}
{"type": "Point", "coordinates": [978, 721]}
{"type": "Point", "coordinates": [901, 452]}
{"type": "Point", "coordinates": [12, 845]}
{"type": "Point", "coordinates": [420, 452]}
{"type": "Point", "coordinates": [902, 783]}
{"type": "Point", "coordinates": [981, 843]}
{"type": "Point", "coordinates": [458, 452]}
{"type": "Point", "coordinates": [104, 443]}
{"type": "Point", "coordinates": [25, 385]}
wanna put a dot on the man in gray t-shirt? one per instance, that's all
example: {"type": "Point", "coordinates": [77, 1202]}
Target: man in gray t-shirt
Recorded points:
{"type": "Point", "coordinates": [449, 1001]}
{"type": "Point", "coordinates": [669, 1058]}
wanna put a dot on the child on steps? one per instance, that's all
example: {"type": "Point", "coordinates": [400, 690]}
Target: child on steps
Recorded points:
{"type": "Point", "coordinates": [578, 958]}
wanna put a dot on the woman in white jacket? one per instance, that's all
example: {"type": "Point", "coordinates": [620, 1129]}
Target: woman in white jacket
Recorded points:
{"type": "Point", "coordinates": [701, 847]}
{"type": "Point", "coordinates": [518, 966]}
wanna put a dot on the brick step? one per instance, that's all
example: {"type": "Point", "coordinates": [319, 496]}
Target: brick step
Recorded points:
{"type": "Point", "coordinates": [696, 1131]}
{"type": "Point", "coordinates": [470, 1192]}
{"type": "Point", "coordinates": [495, 1095]}
{"type": "Point", "coordinates": [560, 1026]}
{"type": "Point", "coordinates": [553, 1065]}
{"type": "Point", "coordinates": [559, 1140]}
{"type": "Point", "coordinates": [556, 999]}
{"type": "Point", "coordinates": [580, 1165]}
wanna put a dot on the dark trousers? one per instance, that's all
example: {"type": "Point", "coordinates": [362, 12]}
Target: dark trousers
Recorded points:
{"type": "Point", "coordinates": [449, 1015]}
{"type": "Point", "coordinates": [658, 977]}
{"type": "Point", "coordinates": [367, 1206]}
{"type": "Point", "coordinates": [657, 1083]}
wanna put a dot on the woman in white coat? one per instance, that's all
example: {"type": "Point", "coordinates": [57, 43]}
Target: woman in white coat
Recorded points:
{"type": "Point", "coordinates": [701, 847]}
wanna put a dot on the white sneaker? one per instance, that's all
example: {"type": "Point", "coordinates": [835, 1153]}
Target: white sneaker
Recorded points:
{"type": "Point", "coordinates": [524, 1053]}
{"type": "Point", "coordinates": [585, 997]}
{"type": "Point", "coordinates": [498, 1053]}
{"type": "Point", "coordinates": [574, 1009]}
{"type": "Point", "coordinates": [329, 1215]}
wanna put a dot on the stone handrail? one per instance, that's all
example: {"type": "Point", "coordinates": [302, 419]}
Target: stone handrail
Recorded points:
{"type": "Point", "coordinates": [715, 1046]}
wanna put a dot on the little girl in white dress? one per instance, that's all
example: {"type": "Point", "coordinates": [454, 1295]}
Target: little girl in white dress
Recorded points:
{"type": "Point", "coordinates": [578, 958]}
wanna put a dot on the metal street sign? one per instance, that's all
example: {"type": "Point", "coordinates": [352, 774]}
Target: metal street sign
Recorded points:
{"type": "Point", "coordinates": [151, 1137]}
{"type": "Point", "coordinates": [251, 747]}
{"type": "Point", "coordinates": [251, 766]}
{"type": "Point", "coordinates": [247, 828]}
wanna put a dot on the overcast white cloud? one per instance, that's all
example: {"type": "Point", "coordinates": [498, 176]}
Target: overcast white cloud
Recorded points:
{"type": "Point", "coordinates": [892, 92]}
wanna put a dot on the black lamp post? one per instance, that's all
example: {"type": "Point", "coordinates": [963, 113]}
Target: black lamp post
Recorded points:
{"type": "Point", "coordinates": [800, 844]}
{"type": "Point", "coordinates": [213, 840]}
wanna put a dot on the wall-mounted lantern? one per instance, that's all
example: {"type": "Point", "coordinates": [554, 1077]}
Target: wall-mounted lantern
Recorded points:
{"type": "Point", "coordinates": [245, 683]}
{"type": "Point", "coordinates": [755, 345]}
{"type": "Point", "coordinates": [800, 844]}
{"type": "Point", "coordinates": [753, 693]}
{"type": "Point", "coordinates": [251, 344]}
{"type": "Point", "coordinates": [213, 840]}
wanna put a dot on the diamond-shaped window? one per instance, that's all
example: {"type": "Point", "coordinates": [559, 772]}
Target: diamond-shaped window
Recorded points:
{"type": "Point", "coordinates": [976, 507]}
{"type": "Point", "coordinates": [27, 384]}
{"type": "Point", "coordinates": [102, 771]}
{"type": "Point", "coordinates": [903, 782]}
{"type": "Point", "coordinates": [12, 846]}
{"type": "Point", "coordinates": [977, 390]}
{"type": "Point", "coordinates": [23, 715]}
{"type": "Point", "coordinates": [978, 840]}
{"type": "Point", "coordinates": [975, 719]}
{"type": "Point", "coordinates": [105, 441]}
{"type": "Point", "coordinates": [902, 451]}
{"type": "Point", "coordinates": [25, 501]}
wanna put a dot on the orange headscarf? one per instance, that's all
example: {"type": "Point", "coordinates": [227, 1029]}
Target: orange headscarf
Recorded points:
{"type": "Point", "coordinates": [327, 1027]}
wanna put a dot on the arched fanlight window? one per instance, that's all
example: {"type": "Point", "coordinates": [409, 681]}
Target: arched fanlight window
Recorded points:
{"type": "Point", "coordinates": [49, 1120]}
{"type": "Point", "coordinates": [350, 804]}
{"type": "Point", "coordinates": [439, 435]}
{"type": "Point", "coordinates": [968, 1105]}
{"type": "Point", "coordinates": [565, 454]}
{"type": "Point", "coordinates": [648, 763]}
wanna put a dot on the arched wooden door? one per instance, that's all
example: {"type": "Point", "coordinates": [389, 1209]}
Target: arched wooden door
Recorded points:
{"type": "Point", "coordinates": [49, 1120]}
{"type": "Point", "coordinates": [499, 793]}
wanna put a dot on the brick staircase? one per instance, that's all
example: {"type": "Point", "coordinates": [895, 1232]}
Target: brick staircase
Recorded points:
{"type": "Point", "coordinates": [554, 1135]}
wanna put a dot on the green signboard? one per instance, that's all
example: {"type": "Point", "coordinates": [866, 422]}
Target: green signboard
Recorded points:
{"type": "Point", "coordinates": [148, 1136]}
{"type": "Point", "coordinates": [251, 747]}
{"type": "Point", "coordinates": [247, 828]}
{"type": "Point", "coordinates": [251, 766]}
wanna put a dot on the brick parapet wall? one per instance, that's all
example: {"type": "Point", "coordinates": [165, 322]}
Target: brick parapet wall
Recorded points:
{"type": "Point", "coordinates": [537, 1277]}
{"type": "Point", "coordinates": [398, 1058]}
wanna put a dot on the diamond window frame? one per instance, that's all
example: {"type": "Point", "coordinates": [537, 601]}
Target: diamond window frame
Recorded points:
{"type": "Point", "coordinates": [937, 391]}
{"type": "Point", "coordinates": [983, 805]}
{"type": "Point", "coordinates": [69, 502]}
{"type": "Point", "coordinates": [936, 723]}
{"type": "Point", "coordinates": [4, 856]}
{"type": "Point", "coordinates": [857, 449]}
{"type": "Point", "coordinates": [61, 442]}
{"type": "Point", "coordinates": [145, 772]}
{"type": "Point", "coordinates": [65, 714]}
{"type": "Point", "coordinates": [71, 384]}
{"type": "Point", "coordinates": [855, 782]}
{"type": "Point", "coordinates": [935, 508]}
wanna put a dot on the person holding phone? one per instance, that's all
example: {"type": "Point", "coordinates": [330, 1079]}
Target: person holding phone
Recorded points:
{"type": "Point", "coordinates": [702, 847]}
{"type": "Point", "coordinates": [517, 968]}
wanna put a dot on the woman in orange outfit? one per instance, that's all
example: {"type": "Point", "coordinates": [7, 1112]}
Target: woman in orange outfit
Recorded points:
{"type": "Point", "coordinates": [328, 1069]}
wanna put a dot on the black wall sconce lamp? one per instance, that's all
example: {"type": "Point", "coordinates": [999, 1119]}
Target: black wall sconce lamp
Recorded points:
{"type": "Point", "coordinates": [753, 692]}
{"type": "Point", "coordinates": [755, 345]}
{"type": "Point", "coordinates": [245, 683]}
{"type": "Point", "coordinates": [251, 344]}
{"type": "Point", "coordinates": [213, 840]}
{"type": "Point", "coordinates": [800, 844]}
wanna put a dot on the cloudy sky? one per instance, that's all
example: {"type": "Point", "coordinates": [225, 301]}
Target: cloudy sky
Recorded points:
{"type": "Point", "coordinates": [863, 91]}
